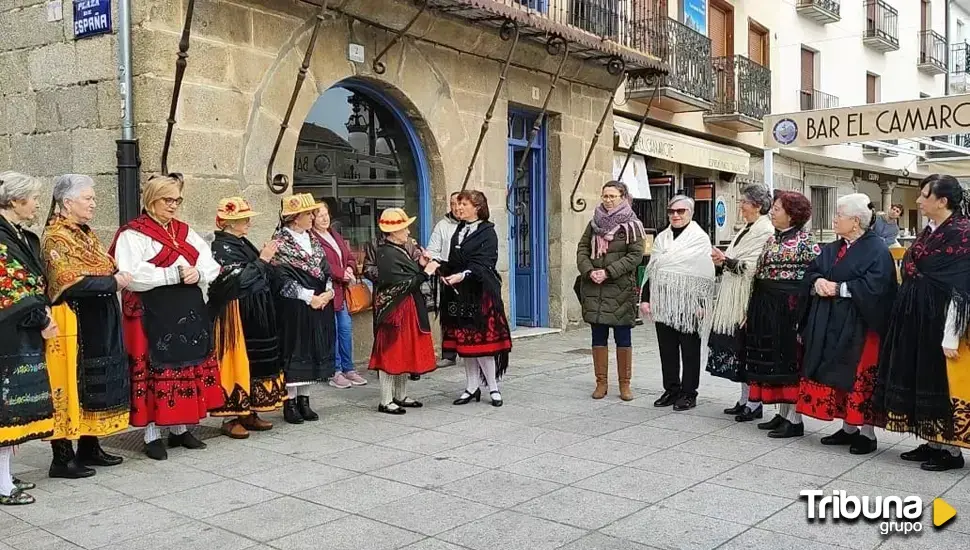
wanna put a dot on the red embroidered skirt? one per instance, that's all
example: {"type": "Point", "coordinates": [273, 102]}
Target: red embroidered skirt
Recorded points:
{"type": "Point", "coordinates": [772, 394]}
{"type": "Point", "coordinates": [399, 345]}
{"type": "Point", "coordinates": [172, 396]}
{"type": "Point", "coordinates": [496, 337]}
{"type": "Point", "coordinates": [855, 406]}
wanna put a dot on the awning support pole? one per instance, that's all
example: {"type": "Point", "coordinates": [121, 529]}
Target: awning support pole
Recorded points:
{"type": "Point", "coordinates": [653, 79]}
{"type": "Point", "coordinates": [180, 65]}
{"type": "Point", "coordinates": [279, 183]}
{"type": "Point", "coordinates": [509, 31]}
{"type": "Point", "coordinates": [378, 65]}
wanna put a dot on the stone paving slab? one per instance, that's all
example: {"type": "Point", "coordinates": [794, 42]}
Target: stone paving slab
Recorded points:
{"type": "Point", "coordinates": [550, 470]}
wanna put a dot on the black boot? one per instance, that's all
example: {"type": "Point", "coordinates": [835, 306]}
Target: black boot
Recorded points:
{"type": "Point", "coordinates": [303, 405]}
{"type": "Point", "coordinates": [90, 453]}
{"type": "Point", "coordinates": [65, 463]}
{"type": "Point", "coordinates": [290, 413]}
{"type": "Point", "coordinates": [186, 439]}
{"type": "Point", "coordinates": [943, 461]}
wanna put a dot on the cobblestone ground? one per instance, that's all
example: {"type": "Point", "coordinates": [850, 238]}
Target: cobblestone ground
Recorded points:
{"type": "Point", "coordinates": [550, 469]}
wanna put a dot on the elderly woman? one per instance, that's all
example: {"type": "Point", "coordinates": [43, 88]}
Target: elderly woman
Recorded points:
{"type": "Point", "coordinates": [87, 362]}
{"type": "Point", "coordinates": [772, 350]}
{"type": "Point", "coordinates": [402, 335]}
{"type": "Point", "coordinates": [608, 254]}
{"type": "Point", "coordinates": [343, 265]}
{"type": "Point", "coordinates": [680, 281]}
{"type": "Point", "coordinates": [26, 409]}
{"type": "Point", "coordinates": [923, 385]}
{"type": "Point", "coordinates": [474, 323]}
{"type": "Point", "coordinates": [241, 302]}
{"type": "Point", "coordinates": [737, 265]}
{"type": "Point", "coordinates": [853, 284]}
{"type": "Point", "coordinates": [167, 328]}
{"type": "Point", "coordinates": [305, 311]}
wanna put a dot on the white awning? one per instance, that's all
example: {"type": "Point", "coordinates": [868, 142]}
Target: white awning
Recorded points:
{"type": "Point", "coordinates": [635, 176]}
{"type": "Point", "coordinates": [682, 149]}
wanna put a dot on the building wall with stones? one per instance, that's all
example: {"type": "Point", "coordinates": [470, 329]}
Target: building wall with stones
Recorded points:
{"type": "Point", "coordinates": [63, 109]}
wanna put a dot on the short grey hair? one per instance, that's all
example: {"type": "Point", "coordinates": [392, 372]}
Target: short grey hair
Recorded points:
{"type": "Point", "coordinates": [856, 205]}
{"type": "Point", "coordinates": [15, 186]}
{"type": "Point", "coordinates": [681, 198]}
{"type": "Point", "coordinates": [619, 186]}
{"type": "Point", "coordinates": [69, 186]}
{"type": "Point", "coordinates": [757, 194]}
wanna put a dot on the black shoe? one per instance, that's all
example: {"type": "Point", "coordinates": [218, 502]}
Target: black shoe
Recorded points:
{"type": "Point", "coordinates": [943, 461]}
{"type": "Point", "coordinates": [668, 398]}
{"type": "Point", "coordinates": [90, 453]}
{"type": "Point", "coordinates": [496, 402]}
{"type": "Point", "coordinates": [408, 402]}
{"type": "Point", "coordinates": [386, 409]}
{"type": "Point", "coordinates": [415, 377]}
{"type": "Point", "coordinates": [748, 415]}
{"type": "Point", "coordinates": [156, 450]}
{"type": "Point", "coordinates": [862, 445]}
{"type": "Point", "coordinates": [735, 410]}
{"type": "Point", "coordinates": [685, 402]}
{"type": "Point", "coordinates": [186, 440]}
{"type": "Point", "coordinates": [786, 430]}
{"type": "Point", "coordinates": [840, 437]}
{"type": "Point", "coordinates": [467, 397]}
{"type": "Point", "coordinates": [303, 405]}
{"type": "Point", "coordinates": [65, 463]}
{"type": "Point", "coordinates": [773, 423]}
{"type": "Point", "coordinates": [923, 453]}
{"type": "Point", "coordinates": [290, 413]}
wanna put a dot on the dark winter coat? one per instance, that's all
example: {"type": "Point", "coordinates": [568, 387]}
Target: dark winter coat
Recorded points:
{"type": "Point", "coordinates": [614, 302]}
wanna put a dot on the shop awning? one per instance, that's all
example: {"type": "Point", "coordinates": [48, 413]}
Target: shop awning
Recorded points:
{"type": "Point", "coordinates": [635, 176]}
{"type": "Point", "coordinates": [682, 149]}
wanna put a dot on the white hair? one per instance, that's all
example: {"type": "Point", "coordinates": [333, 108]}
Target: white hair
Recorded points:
{"type": "Point", "coordinates": [856, 205]}
{"type": "Point", "coordinates": [69, 186]}
{"type": "Point", "coordinates": [15, 186]}
{"type": "Point", "coordinates": [681, 198]}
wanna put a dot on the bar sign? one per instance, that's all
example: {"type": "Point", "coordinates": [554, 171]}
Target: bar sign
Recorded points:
{"type": "Point", "coordinates": [91, 17]}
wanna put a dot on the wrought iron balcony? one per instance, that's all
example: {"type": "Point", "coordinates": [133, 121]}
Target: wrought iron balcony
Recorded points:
{"type": "Point", "coordinates": [932, 53]}
{"type": "Point", "coordinates": [742, 94]}
{"type": "Point", "coordinates": [960, 68]}
{"type": "Point", "coordinates": [820, 11]}
{"type": "Point", "coordinates": [811, 100]}
{"type": "Point", "coordinates": [882, 26]}
{"type": "Point", "coordinates": [689, 84]}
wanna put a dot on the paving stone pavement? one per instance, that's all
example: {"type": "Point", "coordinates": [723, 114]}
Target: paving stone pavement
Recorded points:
{"type": "Point", "coordinates": [552, 469]}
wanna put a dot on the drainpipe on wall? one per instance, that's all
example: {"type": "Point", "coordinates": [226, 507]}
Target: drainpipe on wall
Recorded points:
{"type": "Point", "coordinates": [129, 159]}
{"type": "Point", "coordinates": [949, 54]}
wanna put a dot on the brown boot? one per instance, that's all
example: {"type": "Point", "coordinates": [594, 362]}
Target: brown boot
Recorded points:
{"type": "Point", "coordinates": [601, 366]}
{"type": "Point", "coordinates": [624, 369]}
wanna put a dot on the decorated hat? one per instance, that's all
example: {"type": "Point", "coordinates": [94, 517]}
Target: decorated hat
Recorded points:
{"type": "Point", "coordinates": [298, 204]}
{"type": "Point", "coordinates": [394, 219]}
{"type": "Point", "coordinates": [235, 208]}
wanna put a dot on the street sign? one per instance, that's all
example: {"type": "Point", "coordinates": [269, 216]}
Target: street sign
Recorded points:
{"type": "Point", "coordinates": [720, 212]}
{"type": "Point", "coordinates": [91, 18]}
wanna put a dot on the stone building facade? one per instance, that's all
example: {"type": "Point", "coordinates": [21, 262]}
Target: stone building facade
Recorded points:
{"type": "Point", "coordinates": [60, 109]}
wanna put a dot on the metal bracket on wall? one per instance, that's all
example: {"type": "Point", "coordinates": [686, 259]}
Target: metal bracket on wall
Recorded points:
{"type": "Point", "coordinates": [653, 80]}
{"type": "Point", "coordinates": [556, 45]}
{"type": "Point", "coordinates": [180, 65]}
{"type": "Point", "coordinates": [279, 183]}
{"type": "Point", "coordinates": [509, 31]}
{"type": "Point", "coordinates": [378, 65]}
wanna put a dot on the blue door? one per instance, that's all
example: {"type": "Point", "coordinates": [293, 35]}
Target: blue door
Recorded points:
{"type": "Point", "coordinates": [528, 249]}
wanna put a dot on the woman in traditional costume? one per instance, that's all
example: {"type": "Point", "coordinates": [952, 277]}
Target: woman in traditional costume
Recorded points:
{"type": "Point", "coordinates": [474, 322]}
{"type": "Point", "coordinates": [87, 362]}
{"type": "Point", "coordinates": [924, 366]}
{"type": "Point", "coordinates": [26, 409]}
{"type": "Point", "coordinates": [676, 293]}
{"type": "Point", "coordinates": [247, 343]}
{"type": "Point", "coordinates": [853, 285]}
{"type": "Point", "coordinates": [403, 345]}
{"type": "Point", "coordinates": [773, 354]}
{"type": "Point", "coordinates": [305, 311]}
{"type": "Point", "coordinates": [607, 256]}
{"type": "Point", "coordinates": [168, 330]}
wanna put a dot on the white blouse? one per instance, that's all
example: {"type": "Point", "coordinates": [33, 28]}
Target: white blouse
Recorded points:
{"type": "Point", "coordinates": [134, 249]}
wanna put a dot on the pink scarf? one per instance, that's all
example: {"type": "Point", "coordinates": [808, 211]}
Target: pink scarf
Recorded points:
{"type": "Point", "coordinates": [605, 225]}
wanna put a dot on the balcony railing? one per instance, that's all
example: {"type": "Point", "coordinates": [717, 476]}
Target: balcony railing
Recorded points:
{"type": "Point", "coordinates": [811, 100]}
{"type": "Point", "coordinates": [932, 52]}
{"type": "Point", "coordinates": [742, 87]}
{"type": "Point", "coordinates": [822, 11]}
{"type": "Point", "coordinates": [689, 61]}
{"type": "Point", "coordinates": [882, 25]}
{"type": "Point", "coordinates": [959, 59]}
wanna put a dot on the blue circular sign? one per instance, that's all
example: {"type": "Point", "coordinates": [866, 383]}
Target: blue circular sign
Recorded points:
{"type": "Point", "coordinates": [785, 131]}
{"type": "Point", "coordinates": [720, 212]}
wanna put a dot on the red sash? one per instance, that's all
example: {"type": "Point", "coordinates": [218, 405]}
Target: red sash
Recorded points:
{"type": "Point", "coordinates": [173, 240]}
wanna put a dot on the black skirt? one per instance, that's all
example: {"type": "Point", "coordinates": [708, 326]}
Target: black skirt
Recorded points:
{"type": "Point", "coordinates": [725, 357]}
{"type": "Point", "coordinates": [307, 341]}
{"type": "Point", "coordinates": [771, 339]}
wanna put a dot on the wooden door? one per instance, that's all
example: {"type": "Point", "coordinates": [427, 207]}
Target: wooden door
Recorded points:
{"type": "Point", "coordinates": [872, 82]}
{"type": "Point", "coordinates": [925, 22]}
{"type": "Point", "coordinates": [808, 80]}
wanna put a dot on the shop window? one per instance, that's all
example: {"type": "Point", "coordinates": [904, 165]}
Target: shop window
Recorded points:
{"type": "Point", "coordinates": [355, 155]}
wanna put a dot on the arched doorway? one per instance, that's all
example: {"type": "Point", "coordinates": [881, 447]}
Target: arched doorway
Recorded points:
{"type": "Point", "coordinates": [359, 152]}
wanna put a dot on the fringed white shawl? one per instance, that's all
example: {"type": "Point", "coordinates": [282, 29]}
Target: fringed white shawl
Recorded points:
{"type": "Point", "coordinates": [681, 276]}
{"type": "Point", "coordinates": [731, 305]}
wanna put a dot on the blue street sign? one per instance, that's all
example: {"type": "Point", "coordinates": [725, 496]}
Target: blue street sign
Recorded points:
{"type": "Point", "coordinates": [91, 17]}
{"type": "Point", "coordinates": [720, 212]}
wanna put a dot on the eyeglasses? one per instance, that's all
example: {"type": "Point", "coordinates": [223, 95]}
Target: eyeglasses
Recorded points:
{"type": "Point", "coordinates": [172, 202]}
{"type": "Point", "coordinates": [611, 197]}
{"type": "Point", "coordinates": [678, 211]}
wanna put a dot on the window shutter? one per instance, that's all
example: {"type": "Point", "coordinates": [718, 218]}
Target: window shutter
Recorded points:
{"type": "Point", "coordinates": [870, 88]}
{"type": "Point", "coordinates": [756, 46]}
{"type": "Point", "coordinates": [808, 70]}
{"type": "Point", "coordinates": [717, 30]}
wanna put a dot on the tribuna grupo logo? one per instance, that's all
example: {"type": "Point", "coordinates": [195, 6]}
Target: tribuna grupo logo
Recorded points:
{"type": "Point", "coordinates": [894, 514]}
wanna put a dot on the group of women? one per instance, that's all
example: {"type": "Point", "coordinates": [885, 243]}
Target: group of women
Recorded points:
{"type": "Point", "coordinates": [823, 331]}
{"type": "Point", "coordinates": [227, 329]}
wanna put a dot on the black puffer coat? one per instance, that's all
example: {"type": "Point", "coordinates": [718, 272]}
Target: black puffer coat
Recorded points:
{"type": "Point", "coordinates": [614, 302]}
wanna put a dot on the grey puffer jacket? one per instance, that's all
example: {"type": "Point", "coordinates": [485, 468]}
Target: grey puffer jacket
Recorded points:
{"type": "Point", "coordinates": [614, 302]}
